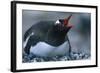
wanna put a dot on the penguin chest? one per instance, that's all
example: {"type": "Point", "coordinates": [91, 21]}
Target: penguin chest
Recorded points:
{"type": "Point", "coordinates": [45, 50]}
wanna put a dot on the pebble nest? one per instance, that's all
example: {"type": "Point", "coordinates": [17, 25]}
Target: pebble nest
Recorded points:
{"type": "Point", "coordinates": [73, 56]}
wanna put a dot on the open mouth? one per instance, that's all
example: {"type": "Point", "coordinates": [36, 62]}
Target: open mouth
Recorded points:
{"type": "Point", "coordinates": [66, 21]}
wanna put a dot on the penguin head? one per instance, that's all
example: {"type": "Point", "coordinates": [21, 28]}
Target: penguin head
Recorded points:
{"type": "Point", "coordinates": [63, 24]}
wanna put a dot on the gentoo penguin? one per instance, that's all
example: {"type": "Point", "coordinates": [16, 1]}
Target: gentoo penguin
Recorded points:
{"type": "Point", "coordinates": [48, 38]}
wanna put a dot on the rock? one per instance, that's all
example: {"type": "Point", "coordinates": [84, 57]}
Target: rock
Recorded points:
{"type": "Point", "coordinates": [73, 56]}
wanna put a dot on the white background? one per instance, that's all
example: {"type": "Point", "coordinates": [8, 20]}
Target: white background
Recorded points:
{"type": "Point", "coordinates": [5, 36]}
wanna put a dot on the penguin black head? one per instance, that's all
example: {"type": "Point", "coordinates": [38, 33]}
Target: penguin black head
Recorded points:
{"type": "Point", "coordinates": [57, 34]}
{"type": "Point", "coordinates": [63, 24]}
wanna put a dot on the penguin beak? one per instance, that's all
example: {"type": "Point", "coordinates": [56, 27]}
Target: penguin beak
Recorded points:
{"type": "Point", "coordinates": [66, 21]}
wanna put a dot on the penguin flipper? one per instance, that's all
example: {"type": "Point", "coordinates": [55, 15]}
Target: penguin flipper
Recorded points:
{"type": "Point", "coordinates": [28, 32]}
{"type": "Point", "coordinates": [31, 42]}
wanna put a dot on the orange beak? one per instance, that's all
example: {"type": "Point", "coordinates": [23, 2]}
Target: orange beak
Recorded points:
{"type": "Point", "coordinates": [66, 21]}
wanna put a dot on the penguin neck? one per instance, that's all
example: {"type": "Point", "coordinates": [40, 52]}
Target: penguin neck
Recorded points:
{"type": "Point", "coordinates": [55, 38]}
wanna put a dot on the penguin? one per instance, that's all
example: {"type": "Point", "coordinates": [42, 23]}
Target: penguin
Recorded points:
{"type": "Point", "coordinates": [48, 38]}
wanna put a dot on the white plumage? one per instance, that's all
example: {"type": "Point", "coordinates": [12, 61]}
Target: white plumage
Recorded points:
{"type": "Point", "coordinates": [45, 50]}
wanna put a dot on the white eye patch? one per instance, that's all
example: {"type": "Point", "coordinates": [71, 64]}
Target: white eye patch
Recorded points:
{"type": "Point", "coordinates": [57, 22]}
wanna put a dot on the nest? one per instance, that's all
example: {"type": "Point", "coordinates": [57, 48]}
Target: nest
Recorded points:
{"type": "Point", "coordinates": [73, 56]}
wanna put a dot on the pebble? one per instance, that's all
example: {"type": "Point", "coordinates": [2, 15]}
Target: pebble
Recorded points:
{"type": "Point", "coordinates": [73, 56]}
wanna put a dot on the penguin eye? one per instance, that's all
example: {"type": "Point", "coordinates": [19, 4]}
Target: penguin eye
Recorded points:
{"type": "Point", "coordinates": [57, 22]}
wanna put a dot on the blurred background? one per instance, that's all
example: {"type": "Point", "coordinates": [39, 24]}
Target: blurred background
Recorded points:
{"type": "Point", "coordinates": [79, 35]}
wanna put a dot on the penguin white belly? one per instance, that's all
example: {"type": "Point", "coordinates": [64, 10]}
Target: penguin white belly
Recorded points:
{"type": "Point", "coordinates": [45, 50]}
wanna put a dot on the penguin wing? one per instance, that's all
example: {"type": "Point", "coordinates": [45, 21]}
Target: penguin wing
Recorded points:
{"type": "Point", "coordinates": [31, 41]}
